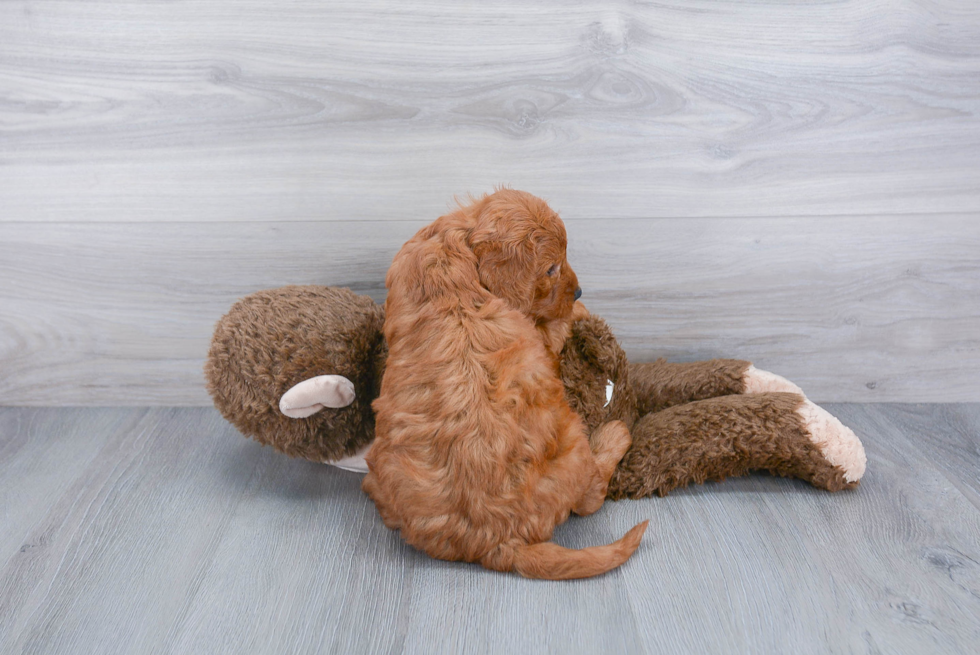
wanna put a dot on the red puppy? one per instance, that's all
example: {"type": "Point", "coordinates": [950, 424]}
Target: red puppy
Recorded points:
{"type": "Point", "coordinates": [477, 455]}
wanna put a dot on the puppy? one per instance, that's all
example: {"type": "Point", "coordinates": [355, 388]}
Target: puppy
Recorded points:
{"type": "Point", "coordinates": [477, 455]}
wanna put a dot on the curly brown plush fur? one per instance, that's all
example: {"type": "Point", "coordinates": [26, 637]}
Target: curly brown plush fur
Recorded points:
{"type": "Point", "coordinates": [659, 385]}
{"type": "Point", "coordinates": [273, 339]}
{"type": "Point", "coordinates": [689, 422]}
{"type": "Point", "coordinates": [721, 437]}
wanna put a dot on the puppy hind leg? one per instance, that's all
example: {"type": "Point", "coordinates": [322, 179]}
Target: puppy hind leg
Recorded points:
{"type": "Point", "coordinates": [611, 440]}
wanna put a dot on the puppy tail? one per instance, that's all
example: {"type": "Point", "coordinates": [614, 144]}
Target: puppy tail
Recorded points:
{"type": "Point", "coordinates": [549, 561]}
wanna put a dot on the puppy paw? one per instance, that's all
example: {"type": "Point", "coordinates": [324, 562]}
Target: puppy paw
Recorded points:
{"type": "Point", "coordinates": [310, 396]}
{"type": "Point", "coordinates": [759, 381]}
{"type": "Point", "coordinates": [612, 440]}
{"type": "Point", "coordinates": [837, 443]}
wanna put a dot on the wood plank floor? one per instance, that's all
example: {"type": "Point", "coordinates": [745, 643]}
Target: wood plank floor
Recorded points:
{"type": "Point", "coordinates": [134, 530]}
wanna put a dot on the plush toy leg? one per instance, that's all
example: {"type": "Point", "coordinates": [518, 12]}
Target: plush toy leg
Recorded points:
{"type": "Point", "coordinates": [731, 435]}
{"type": "Point", "coordinates": [756, 380]}
{"type": "Point", "coordinates": [659, 385]}
{"type": "Point", "coordinates": [310, 396]}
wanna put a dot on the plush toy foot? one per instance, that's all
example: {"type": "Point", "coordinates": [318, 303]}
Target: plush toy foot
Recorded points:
{"type": "Point", "coordinates": [310, 396]}
{"type": "Point", "coordinates": [837, 442]}
{"type": "Point", "coordinates": [759, 381]}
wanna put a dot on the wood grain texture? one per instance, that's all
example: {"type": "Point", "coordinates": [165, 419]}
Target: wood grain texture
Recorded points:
{"type": "Point", "coordinates": [171, 533]}
{"type": "Point", "coordinates": [949, 438]}
{"type": "Point", "coordinates": [850, 308]}
{"type": "Point", "coordinates": [238, 110]}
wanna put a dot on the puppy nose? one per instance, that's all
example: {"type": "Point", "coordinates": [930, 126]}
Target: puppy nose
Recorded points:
{"type": "Point", "coordinates": [578, 293]}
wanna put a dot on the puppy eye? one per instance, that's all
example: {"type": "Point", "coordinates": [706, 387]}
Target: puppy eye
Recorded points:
{"type": "Point", "coordinates": [553, 270]}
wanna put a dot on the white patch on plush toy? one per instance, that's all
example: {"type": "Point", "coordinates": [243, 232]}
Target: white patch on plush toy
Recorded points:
{"type": "Point", "coordinates": [759, 381]}
{"type": "Point", "coordinates": [836, 441]}
{"type": "Point", "coordinates": [353, 463]}
{"type": "Point", "coordinates": [310, 396]}
{"type": "Point", "coordinates": [609, 392]}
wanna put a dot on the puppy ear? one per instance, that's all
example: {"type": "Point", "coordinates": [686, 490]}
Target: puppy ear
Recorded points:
{"type": "Point", "coordinates": [507, 269]}
{"type": "Point", "coordinates": [435, 262]}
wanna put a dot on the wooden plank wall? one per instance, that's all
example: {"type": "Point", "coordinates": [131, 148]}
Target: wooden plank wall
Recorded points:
{"type": "Point", "coordinates": [796, 184]}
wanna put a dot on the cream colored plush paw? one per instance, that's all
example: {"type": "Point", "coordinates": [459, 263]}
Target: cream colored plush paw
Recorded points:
{"type": "Point", "coordinates": [310, 396]}
{"type": "Point", "coordinates": [759, 381]}
{"type": "Point", "coordinates": [837, 443]}
{"type": "Point", "coordinates": [353, 463]}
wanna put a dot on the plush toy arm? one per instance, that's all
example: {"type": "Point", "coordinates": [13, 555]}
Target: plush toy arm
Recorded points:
{"type": "Point", "coordinates": [310, 396]}
{"type": "Point", "coordinates": [659, 385]}
{"type": "Point", "coordinates": [726, 436]}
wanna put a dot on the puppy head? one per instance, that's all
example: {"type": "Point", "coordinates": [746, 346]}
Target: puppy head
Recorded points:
{"type": "Point", "coordinates": [520, 243]}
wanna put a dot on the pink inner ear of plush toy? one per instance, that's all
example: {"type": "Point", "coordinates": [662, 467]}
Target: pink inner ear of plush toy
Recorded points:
{"type": "Point", "coordinates": [310, 396]}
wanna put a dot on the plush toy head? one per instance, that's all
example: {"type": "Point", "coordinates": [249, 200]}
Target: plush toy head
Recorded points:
{"type": "Point", "coordinates": [271, 340]}
{"type": "Point", "coordinates": [595, 372]}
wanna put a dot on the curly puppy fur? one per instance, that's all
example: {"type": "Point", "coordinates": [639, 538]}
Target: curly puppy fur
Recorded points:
{"type": "Point", "coordinates": [270, 340]}
{"type": "Point", "coordinates": [478, 456]}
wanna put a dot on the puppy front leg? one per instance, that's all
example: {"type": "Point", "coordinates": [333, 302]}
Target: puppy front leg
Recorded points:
{"type": "Point", "coordinates": [612, 440]}
{"type": "Point", "coordinates": [554, 333]}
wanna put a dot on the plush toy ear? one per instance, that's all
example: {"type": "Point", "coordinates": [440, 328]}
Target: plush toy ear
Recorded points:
{"type": "Point", "coordinates": [310, 396]}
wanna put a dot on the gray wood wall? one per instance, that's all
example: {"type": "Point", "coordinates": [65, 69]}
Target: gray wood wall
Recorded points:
{"type": "Point", "coordinates": [793, 183]}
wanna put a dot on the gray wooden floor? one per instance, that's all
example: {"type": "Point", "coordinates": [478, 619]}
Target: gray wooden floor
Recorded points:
{"type": "Point", "coordinates": [132, 530]}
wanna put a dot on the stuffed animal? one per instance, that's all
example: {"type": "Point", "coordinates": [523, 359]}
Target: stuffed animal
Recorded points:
{"type": "Point", "coordinates": [297, 368]}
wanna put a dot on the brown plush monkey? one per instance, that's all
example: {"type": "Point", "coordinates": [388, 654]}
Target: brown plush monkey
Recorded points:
{"type": "Point", "coordinates": [297, 368]}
